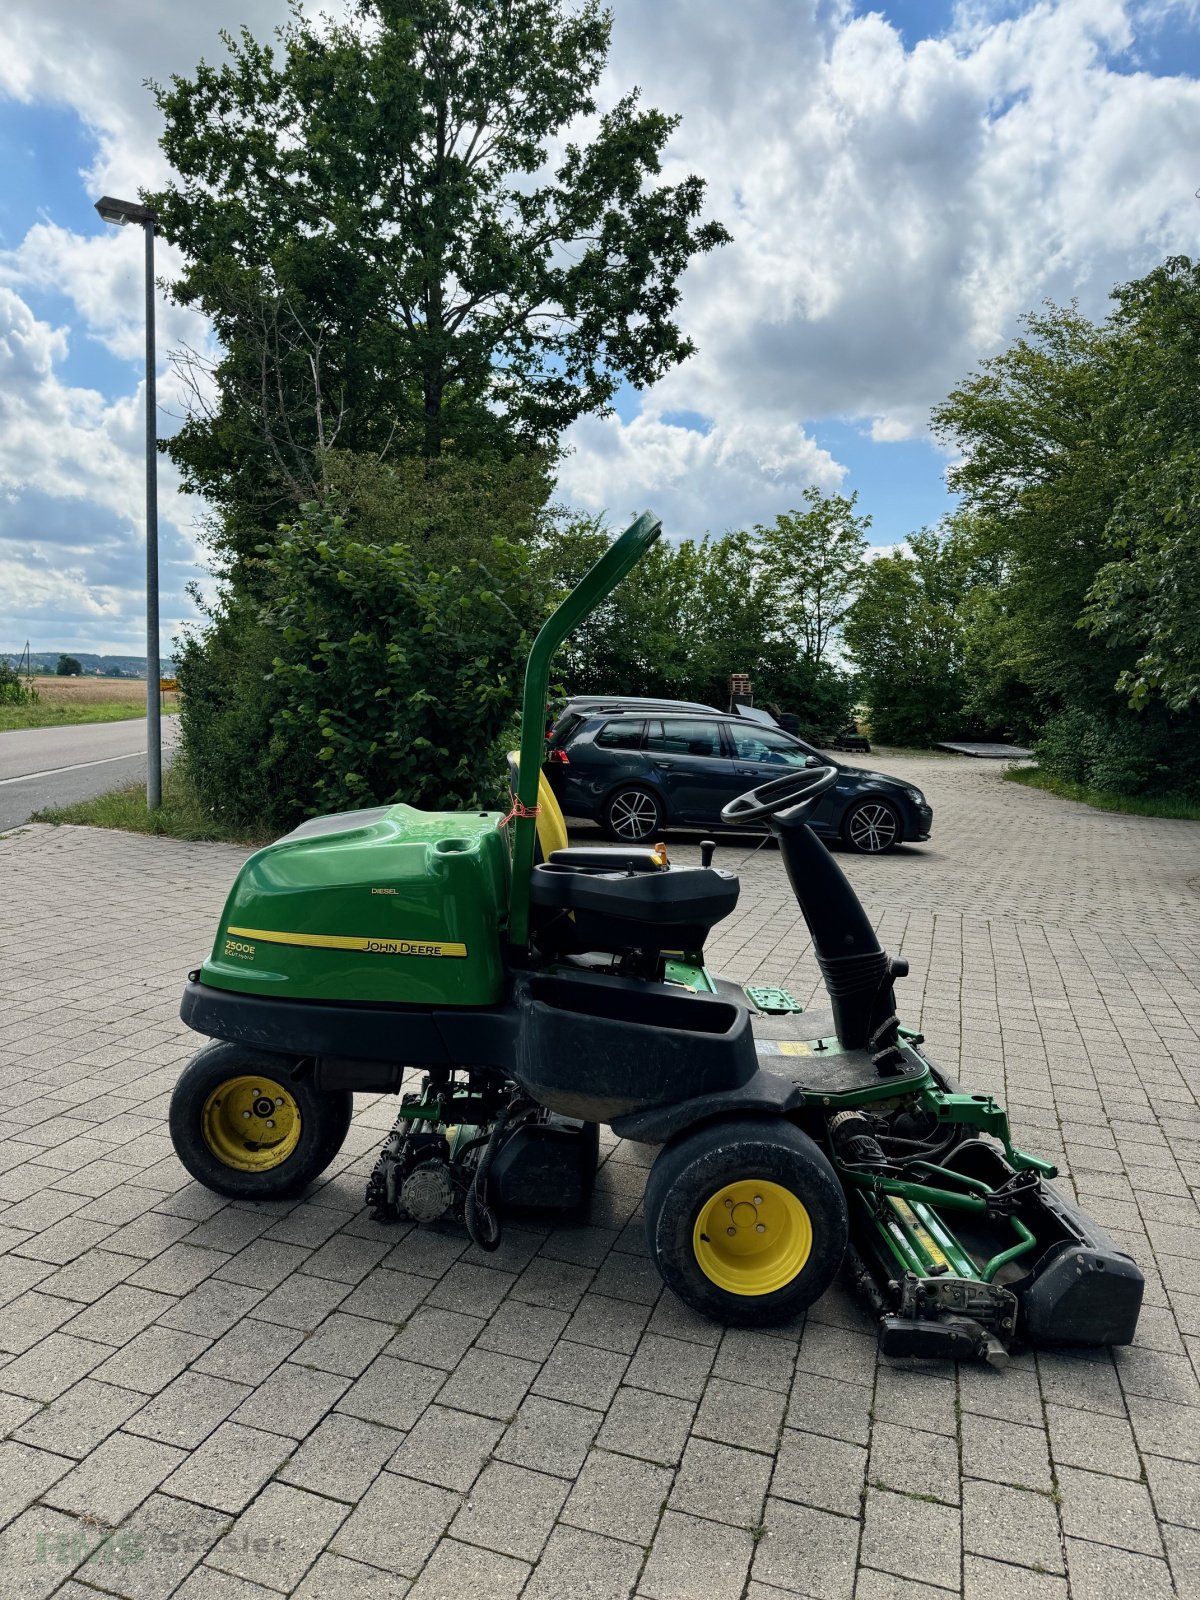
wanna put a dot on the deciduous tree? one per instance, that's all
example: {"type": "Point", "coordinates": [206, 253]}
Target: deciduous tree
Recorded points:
{"type": "Point", "coordinates": [415, 233]}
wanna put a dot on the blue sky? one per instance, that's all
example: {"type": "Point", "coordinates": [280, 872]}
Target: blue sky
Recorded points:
{"type": "Point", "coordinates": [902, 182]}
{"type": "Point", "coordinates": [45, 152]}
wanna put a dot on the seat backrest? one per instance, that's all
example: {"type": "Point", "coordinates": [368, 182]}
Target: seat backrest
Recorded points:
{"type": "Point", "coordinates": [551, 825]}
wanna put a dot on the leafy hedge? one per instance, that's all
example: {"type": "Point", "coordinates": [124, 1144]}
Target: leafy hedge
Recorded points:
{"type": "Point", "coordinates": [366, 676]}
{"type": "Point", "coordinates": [1122, 753]}
{"type": "Point", "coordinates": [14, 691]}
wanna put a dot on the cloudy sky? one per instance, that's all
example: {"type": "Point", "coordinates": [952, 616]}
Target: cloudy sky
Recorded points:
{"type": "Point", "coordinates": [902, 181]}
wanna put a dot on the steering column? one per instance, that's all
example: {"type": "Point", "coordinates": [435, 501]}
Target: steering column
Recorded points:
{"type": "Point", "coordinates": [858, 972]}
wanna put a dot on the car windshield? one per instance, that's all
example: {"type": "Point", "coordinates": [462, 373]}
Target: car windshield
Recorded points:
{"type": "Point", "coordinates": [756, 743]}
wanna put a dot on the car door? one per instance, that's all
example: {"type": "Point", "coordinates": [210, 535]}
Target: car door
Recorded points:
{"type": "Point", "coordinates": [761, 753]}
{"type": "Point", "coordinates": [689, 765]}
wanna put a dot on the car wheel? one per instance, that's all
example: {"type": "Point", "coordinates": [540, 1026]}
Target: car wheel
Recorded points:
{"type": "Point", "coordinates": [871, 827]}
{"type": "Point", "coordinates": [746, 1221]}
{"type": "Point", "coordinates": [632, 815]}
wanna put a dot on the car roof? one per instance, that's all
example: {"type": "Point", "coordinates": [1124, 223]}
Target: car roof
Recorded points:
{"type": "Point", "coordinates": [618, 703]}
{"type": "Point", "coordinates": [666, 712]}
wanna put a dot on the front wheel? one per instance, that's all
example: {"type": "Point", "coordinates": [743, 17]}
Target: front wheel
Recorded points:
{"type": "Point", "coordinates": [244, 1126]}
{"type": "Point", "coordinates": [746, 1221]}
{"type": "Point", "coordinates": [632, 815]}
{"type": "Point", "coordinates": [871, 827]}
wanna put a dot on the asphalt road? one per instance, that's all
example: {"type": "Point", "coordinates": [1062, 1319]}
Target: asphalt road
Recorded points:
{"type": "Point", "coordinates": [58, 766]}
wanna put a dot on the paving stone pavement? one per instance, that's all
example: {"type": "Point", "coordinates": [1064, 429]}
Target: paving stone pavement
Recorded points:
{"type": "Point", "coordinates": [223, 1402]}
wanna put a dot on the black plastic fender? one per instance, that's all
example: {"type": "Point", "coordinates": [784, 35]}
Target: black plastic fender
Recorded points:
{"type": "Point", "coordinates": [766, 1094]}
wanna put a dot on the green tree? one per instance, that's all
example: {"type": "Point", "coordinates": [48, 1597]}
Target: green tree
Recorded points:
{"type": "Point", "coordinates": [405, 247]}
{"type": "Point", "coordinates": [1036, 470]}
{"type": "Point", "coordinates": [449, 510]}
{"type": "Point", "coordinates": [1146, 595]}
{"type": "Point", "coordinates": [68, 667]}
{"type": "Point", "coordinates": [812, 566]}
{"type": "Point", "coordinates": [905, 633]}
{"type": "Point", "coordinates": [1079, 453]}
{"type": "Point", "coordinates": [695, 613]}
{"type": "Point", "coordinates": [634, 643]}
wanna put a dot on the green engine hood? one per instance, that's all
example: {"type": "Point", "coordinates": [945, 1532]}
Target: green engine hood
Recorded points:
{"type": "Point", "coordinates": [391, 904]}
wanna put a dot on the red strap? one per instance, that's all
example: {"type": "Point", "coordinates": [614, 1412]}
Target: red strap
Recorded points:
{"type": "Point", "coordinates": [520, 810]}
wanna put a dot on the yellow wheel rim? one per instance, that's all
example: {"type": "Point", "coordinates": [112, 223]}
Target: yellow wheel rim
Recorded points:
{"type": "Point", "coordinates": [251, 1124]}
{"type": "Point", "coordinates": [752, 1237]}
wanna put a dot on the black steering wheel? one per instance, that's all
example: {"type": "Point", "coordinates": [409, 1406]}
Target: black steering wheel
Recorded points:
{"type": "Point", "coordinates": [794, 790]}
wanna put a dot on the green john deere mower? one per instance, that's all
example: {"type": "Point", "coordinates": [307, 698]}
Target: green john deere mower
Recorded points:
{"type": "Point", "coordinates": [515, 993]}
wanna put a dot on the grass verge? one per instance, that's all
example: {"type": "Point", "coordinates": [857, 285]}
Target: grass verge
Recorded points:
{"type": "Point", "coordinates": [64, 715]}
{"type": "Point", "coordinates": [181, 816]}
{"type": "Point", "coordinates": [1176, 806]}
{"type": "Point", "coordinates": [60, 702]}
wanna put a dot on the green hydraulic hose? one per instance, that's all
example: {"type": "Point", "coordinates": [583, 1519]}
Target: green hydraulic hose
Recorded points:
{"type": "Point", "coordinates": [594, 587]}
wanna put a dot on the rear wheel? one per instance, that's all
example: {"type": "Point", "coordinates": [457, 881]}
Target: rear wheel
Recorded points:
{"type": "Point", "coordinates": [871, 827]}
{"type": "Point", "coordinates": [746, 1220]}
{"type": "Point", "coordinates": [632, 815]}
{"type": "Point", "coordinates": [244, 1126]}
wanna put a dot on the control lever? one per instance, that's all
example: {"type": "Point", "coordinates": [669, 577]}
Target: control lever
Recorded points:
{"type": "Point", "coordinates": [708, 849]}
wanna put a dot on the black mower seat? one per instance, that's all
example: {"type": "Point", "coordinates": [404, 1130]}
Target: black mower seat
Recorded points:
{"type": "Point", "coordinates": [670, 909]}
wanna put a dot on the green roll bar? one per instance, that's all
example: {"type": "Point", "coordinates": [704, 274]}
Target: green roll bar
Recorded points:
{"type": "Point", "coordinates": [596, 585]}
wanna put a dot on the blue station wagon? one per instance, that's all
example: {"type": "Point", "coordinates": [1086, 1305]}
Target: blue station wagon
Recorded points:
{"type": "Point", "coordinates": [638, 774]}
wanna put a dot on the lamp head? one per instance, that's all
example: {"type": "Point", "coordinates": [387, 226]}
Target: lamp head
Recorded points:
{"type": "Point", "coordinates": [124, 211]}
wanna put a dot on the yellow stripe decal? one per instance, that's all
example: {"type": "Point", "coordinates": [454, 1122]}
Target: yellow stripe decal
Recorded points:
{"type": "Point", "coordinates": [375, 947]}
{"type": "Point", "coordinates": [920, 1231]}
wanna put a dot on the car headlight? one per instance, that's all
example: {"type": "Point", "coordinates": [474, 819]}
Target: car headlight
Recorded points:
{"type": "Point", "coordinates": [917, 798]}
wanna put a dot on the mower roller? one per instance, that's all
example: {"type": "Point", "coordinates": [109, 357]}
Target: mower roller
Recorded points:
{"type": "Point", "coordinates": [516, 993]}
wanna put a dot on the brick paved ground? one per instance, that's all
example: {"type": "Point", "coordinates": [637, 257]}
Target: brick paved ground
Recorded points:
{"type": "Point", "coordinates": [294, 1399]}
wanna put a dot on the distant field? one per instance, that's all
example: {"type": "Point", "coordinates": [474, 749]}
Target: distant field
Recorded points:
{"type": "Point", "coordinates": [66, 700]}
{"type": "Point", "coordinates": [91, 691]}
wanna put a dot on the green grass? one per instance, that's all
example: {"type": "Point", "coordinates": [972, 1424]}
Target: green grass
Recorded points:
{"type": "Point", "coordinates": [1177, 806]}
{"type": "Point", "coordinates": [181, 816]}
{"type": "Point", "coordinates": [61, 716]}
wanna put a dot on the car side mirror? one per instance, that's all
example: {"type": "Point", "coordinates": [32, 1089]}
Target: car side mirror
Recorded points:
{"type": "Point", "coordinates": [814, 761]}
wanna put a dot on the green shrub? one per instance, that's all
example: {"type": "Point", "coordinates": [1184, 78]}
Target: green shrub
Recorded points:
{"type": "Point", "coordinates": [239, 766]}
{"type": "Point", "coordinates": [365, 677]}
{"type": "Point", "coordinates": [13, 690]}
{"type": "Point", "coordinates": [1121, 752]}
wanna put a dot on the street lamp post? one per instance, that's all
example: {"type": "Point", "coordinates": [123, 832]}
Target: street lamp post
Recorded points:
{"type": "Point", "coordinates": [122, 212]}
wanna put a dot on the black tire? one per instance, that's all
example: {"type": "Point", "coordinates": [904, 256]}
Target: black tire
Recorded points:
{"type": "Point", "coordinates": [632, 815]}
{"type": "Point", "coordinates": [872, 827]}
{"type": "Point", "coordinates": [317, 1123]}
{"type": "Point", "coordinates": [688, 1177]}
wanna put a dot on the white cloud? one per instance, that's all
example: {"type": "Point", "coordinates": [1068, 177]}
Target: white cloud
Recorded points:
{"type": "Point", "coordinates": [103, 275]}
{"type": "Point", "coordinates": [96, 60]}
{"type": "Point", "coordinates": [894, 209]}
{"type": "Point", "coordinates": [736, 473]}
{"type": "Point", "coordinates": [72, 538]}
